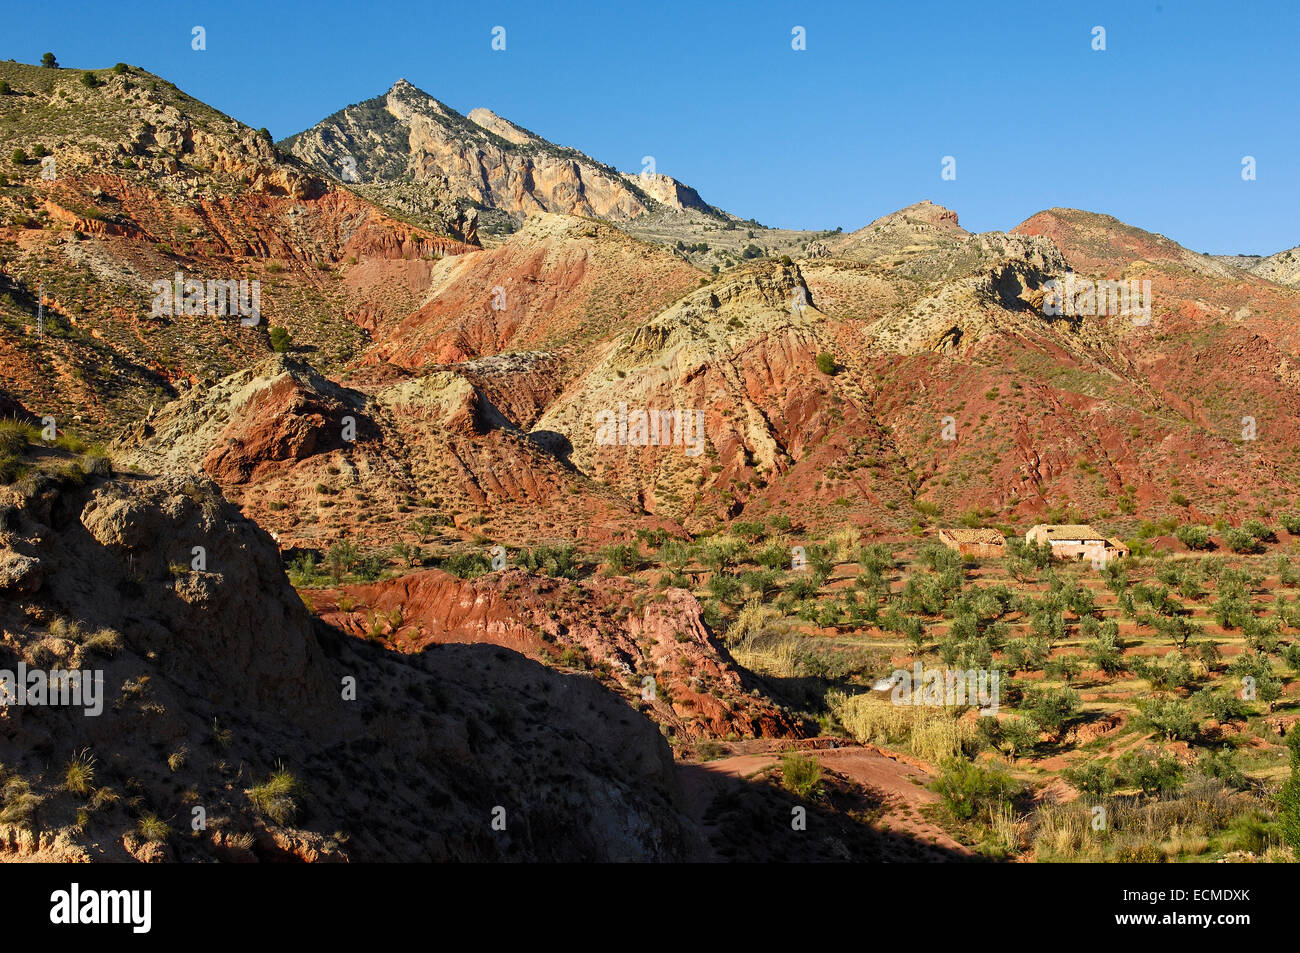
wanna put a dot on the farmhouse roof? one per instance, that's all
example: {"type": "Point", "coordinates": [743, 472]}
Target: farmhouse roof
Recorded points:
{"type": "Point", "coordinates": [1069, 531]}
{"type": "Point", "coordinates": [975, 536]}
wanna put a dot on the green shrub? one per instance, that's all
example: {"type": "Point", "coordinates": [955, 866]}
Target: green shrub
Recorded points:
{"type": "Point", "coordinates": [153, 828]}
{"type": "Point", "coordinates": [968, 790]}
{"type": "Point", "coordinates": [1221, 706]}
{"type": "Point", "coordinates": [1106, 652]}
{"type": "Point", "coordinates": [1223, 766]}
{"type": "Point", "coordinates": [1260, 531]}
{"type": "Point", "coordinates": [1193, 537]}
{"type": "Point", "coordinates": [1242, 541]}
{"type": "Point", "coordinates": [1093, 778]}
{"type": "Point", "coordinates": [1053, 707]}
{"type": "Point", "coordinates": [1172, 718]}
{"type": "Point", "coordinates": [1288, 799]}
{"type": "Point", "coordinates": [466, 565]}
{"type": "Point", "coordinates": [278, 798]}
{"type": "Point", "coordinates": [725, 588]}
{"type": "Point", "coordinates": [370, 567]}
{"type": "Point", "coordinates": [557, 561]}
{"type": "Point", "coordinates": [1152, 771]}
{"type": "Point", "coordinates": [801, 774]}
{"type": "Point", "coordinates": [621, 559]}
{"type": "Point", "coordinates": [826, 363]}
{"type": "Point", "coordinates": [1013, 736]}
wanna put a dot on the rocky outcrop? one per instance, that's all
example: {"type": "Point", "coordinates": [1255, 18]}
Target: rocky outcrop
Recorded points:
{"type": "Point", "coordinates": [657, 653]}
{"type": "Point", "coordinates": [1283, 267]}
{"type": "Point", "coordinates": [217, 678]}
{"type": "Point", "coordinates": [733, 357]}
{"type": "Point", "coordinates": [314, 461]}
{"type": "Point", "coordinates": [671, 193]}
{"type": "Point", "coordinates": [449, 400]}
{"type": "Point", "coordinates": [239, 428]}
{"type": "Point", "coordinates": [161, 184]}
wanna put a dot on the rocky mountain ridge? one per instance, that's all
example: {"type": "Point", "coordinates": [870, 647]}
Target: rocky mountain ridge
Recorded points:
{"type": "Point", "coordinates": [409, 149]}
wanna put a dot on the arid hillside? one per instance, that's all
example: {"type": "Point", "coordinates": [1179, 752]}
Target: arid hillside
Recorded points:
{"type": "Point", "coordinates": [222, 693]}
{"type": "Point", "coordinates": [520, 482]}
{"type": "Point", "coordinates": [115, 183]}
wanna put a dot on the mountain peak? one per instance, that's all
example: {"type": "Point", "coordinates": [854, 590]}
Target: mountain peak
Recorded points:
{"type": "Point", "coordinates": [924, 212]}
{"type": "Point", "coordinates": [1097, 243]}
{"type": "Point", "coordinates": [414, 152]}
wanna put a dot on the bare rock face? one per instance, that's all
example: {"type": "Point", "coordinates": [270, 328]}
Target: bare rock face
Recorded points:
{"type": "Point", "coordinates": [450, 400]}
{"type": "Point", "coordinates": [922, 213]}
{"type": "Point", "coordinates": [215, 677]}
{"type": "Point", "coordinates": [409, 138]}
{"type": "Point", "coordinates": [670, 192]}
{"type": "Point", "coordinates": [20, 573]}
{"type": "Point", "coordinates": [733, 356]}
{"type": "Point", "coordinates": [158, 184]}
{"type": "Point", "coordinates": [1283, 267]}
{"type": "Point", "coordinates": [313, 461]}
{"type": "Point", "coordinates": [281, 423]}
{"type": "Point", "coordinates": [144, 529]}
{"type": "Point", "coordinates": [503, 127]}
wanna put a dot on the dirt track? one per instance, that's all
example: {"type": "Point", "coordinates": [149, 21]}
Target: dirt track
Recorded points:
{"type": "Point", "coordinates": [900, 783]}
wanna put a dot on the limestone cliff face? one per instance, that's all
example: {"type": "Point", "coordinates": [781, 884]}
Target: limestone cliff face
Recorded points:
{"type": "Point", "coordinates": [407, 138]}
{"type": "Point", "coordinates": [668, 191]}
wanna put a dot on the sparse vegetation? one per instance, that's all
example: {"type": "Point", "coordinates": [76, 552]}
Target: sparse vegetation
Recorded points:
{"type": "Point", "coordinates": [278, 799]}
{"type": "Point", "coordinates": [801, 774]}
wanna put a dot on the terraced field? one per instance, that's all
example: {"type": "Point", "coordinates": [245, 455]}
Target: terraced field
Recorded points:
{"type": "Point", "coordinates": [1123, 688]}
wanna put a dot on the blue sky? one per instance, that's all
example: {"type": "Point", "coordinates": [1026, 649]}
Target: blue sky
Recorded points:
{"type": "Point", "coordinates": [1152, 130]}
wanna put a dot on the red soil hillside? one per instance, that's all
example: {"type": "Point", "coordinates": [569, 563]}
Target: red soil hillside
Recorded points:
{"type": "Point", "coordinates": [148, 183]}
{"type": "Point", "coordinates": [276, 438]}
{"type": "Point", "coordinates": [626, 636]}
{"type": "Point", "coordinates": [560, 282]}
